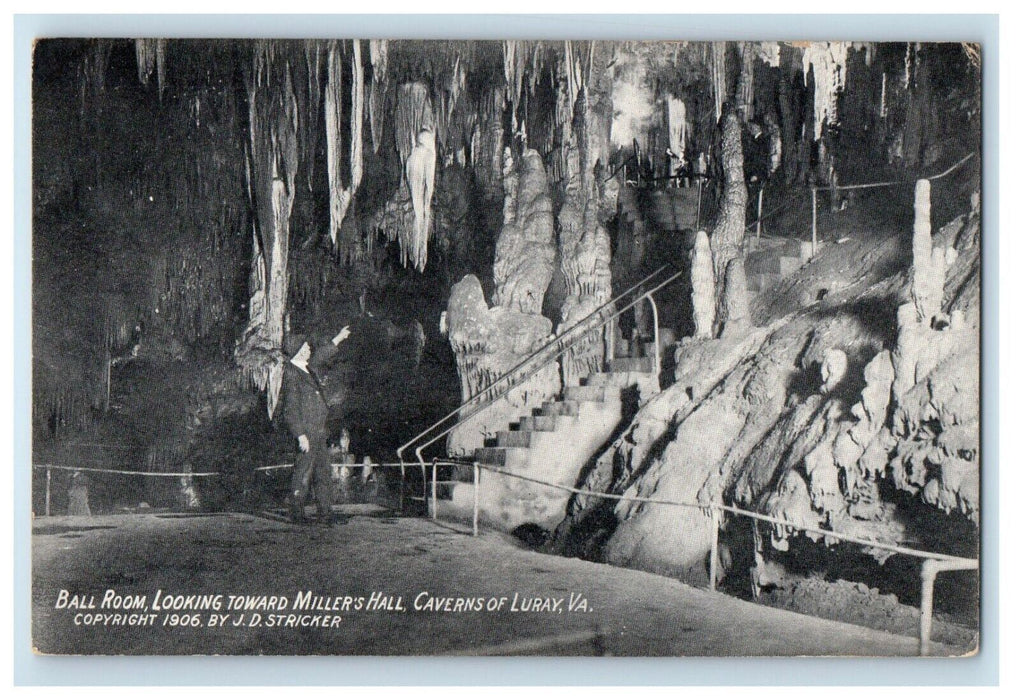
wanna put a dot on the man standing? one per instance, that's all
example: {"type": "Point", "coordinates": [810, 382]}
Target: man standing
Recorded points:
{"type": "Point", "coordinates": [305, 413]}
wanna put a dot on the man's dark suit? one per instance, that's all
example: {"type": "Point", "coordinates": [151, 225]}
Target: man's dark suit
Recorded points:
{"type": "Point", "coordinates": [305, 412]}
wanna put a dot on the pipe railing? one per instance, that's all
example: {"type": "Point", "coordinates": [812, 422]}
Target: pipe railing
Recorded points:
{"type": "Point", "coordinates": [541, 358]}
{"type": "Point", "coordinates": [933, 563]}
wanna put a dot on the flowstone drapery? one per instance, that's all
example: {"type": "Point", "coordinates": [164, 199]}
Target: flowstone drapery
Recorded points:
{"type": "Point", "coordinates": [487, 343]}
{"type": "Point", "coordinates": [407, 215]}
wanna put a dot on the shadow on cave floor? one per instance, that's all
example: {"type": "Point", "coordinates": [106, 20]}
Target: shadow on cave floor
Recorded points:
{"type": "Point", "coordinates": [62, 529]}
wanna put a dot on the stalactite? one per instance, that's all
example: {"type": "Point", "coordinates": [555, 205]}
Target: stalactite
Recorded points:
{"type": "Point", "coordinates": [421, 175]}
{"type": "Point", "coordinates": [515, 56]}
{"type": "Point", "coordinates": [487, 143]}
{"type": "Point", "coordinates": [745, 83]}
{"type": "Point", "coordinates": [313, 66]}
{"type": "Point", "coordinates": [407, 216]}
{"type": "Point", "coordinates": [145, 55]}
{"type": "Point", "coordinates": [413, 114]}
{"type": "Point", "coordinates": [768, 52]}
{"type": "Point", "coordinates": [377, 55]}
{"type": "Point", "coordinates": [676, 116]}
{"type": "Point", "coordinates": [274, 159]}
{"type": "Point", "coordinates": [340, 197]}
{"type": "Point", "coordinates": [357, 117]}
{"type": "Point", "coordinates": [161, 65]}
{"type": "Point", "coordinates": [719, 83]}
{"type": "Point", "coordinates": [908, 62]}
{"type": "Point", "coordinates": [828, 61]}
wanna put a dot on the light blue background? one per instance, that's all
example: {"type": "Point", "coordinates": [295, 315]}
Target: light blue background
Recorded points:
{"type": "Point", "coordinates": [982, 669]}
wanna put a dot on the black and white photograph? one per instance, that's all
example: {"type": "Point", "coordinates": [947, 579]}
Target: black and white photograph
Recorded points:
{"type": "Point", "coordinates": [578, 347]}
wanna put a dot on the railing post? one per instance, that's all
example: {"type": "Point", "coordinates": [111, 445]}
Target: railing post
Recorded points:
{"type": "Point", "coordinates": [48, 473]}
{"type": "Point", "coordinates": [400, 497]}
{"type": "Point", "coordinates": [434, 502]}
{"type": "Point", "coordinates": [424, 483]}
{"type": "Point", "coordinates": [713, 559]}
{"type": "Point", "coordinates": [474, 512]}
{"type": "Point", "coordinates": [814, 221]}
{"type": "Point", "coordinates": [655, 336]}
{"type": "Point", "coordinates": [761, 193]}
{"type": "Point", "coordinates": [928, 572]}
{"type": "Point", "coordinates": [697, 220]}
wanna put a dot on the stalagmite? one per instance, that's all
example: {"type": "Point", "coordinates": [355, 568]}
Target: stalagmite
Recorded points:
{"type": "Point", "coordinates": [728, 234]}
{"type": "Point", "coordinates": [526, 248]}
{"type": "Point", "coordinates": [734, 303]}
{"type": "Point", "coordinates": [702, 287]}
{"type": "Point", "coordinates": [420, 171]}
{"type": "Point", "coordinates": [929, 265]}
{"type": "Point", "coordinates": [377, 55]}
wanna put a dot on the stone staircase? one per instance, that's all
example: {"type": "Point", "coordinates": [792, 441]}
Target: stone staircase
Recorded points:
{"type": "Point", "coordinates": [553, 445]}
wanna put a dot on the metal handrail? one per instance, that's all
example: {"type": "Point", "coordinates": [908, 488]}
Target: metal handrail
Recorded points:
{"type": "Point", "coordinates": [561, 345]}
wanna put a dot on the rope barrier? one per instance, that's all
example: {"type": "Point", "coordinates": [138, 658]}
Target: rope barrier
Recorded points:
{"type": "Point", "coordinates": [127, 472]}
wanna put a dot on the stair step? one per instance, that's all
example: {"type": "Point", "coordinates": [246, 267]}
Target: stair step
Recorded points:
{"type": "Point", "coordinates": [513, 438]}
{"type": "Point", "coordinates": [591, 393]}
{"type": "Point", "coordinates": [632, 364]}
{"type": "Point", "coordinates": [502, 456]}
{"type": "Point", "coordinates": [539, 423]}
{"type": "Point", "coordinates": [560, 408]}
{"type": "Point", "coordinates": [599, 379]}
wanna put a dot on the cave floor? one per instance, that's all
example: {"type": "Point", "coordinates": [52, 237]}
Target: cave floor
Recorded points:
{"type": "Point", "coordinates": [629, 613]}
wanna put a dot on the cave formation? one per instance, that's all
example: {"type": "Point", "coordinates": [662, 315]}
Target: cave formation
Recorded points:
{"type": "Point", "coordinates": [197, 201]}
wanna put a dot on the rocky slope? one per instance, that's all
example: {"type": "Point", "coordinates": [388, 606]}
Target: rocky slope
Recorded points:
{"type": "Point", "coordinates": [851, 402]}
